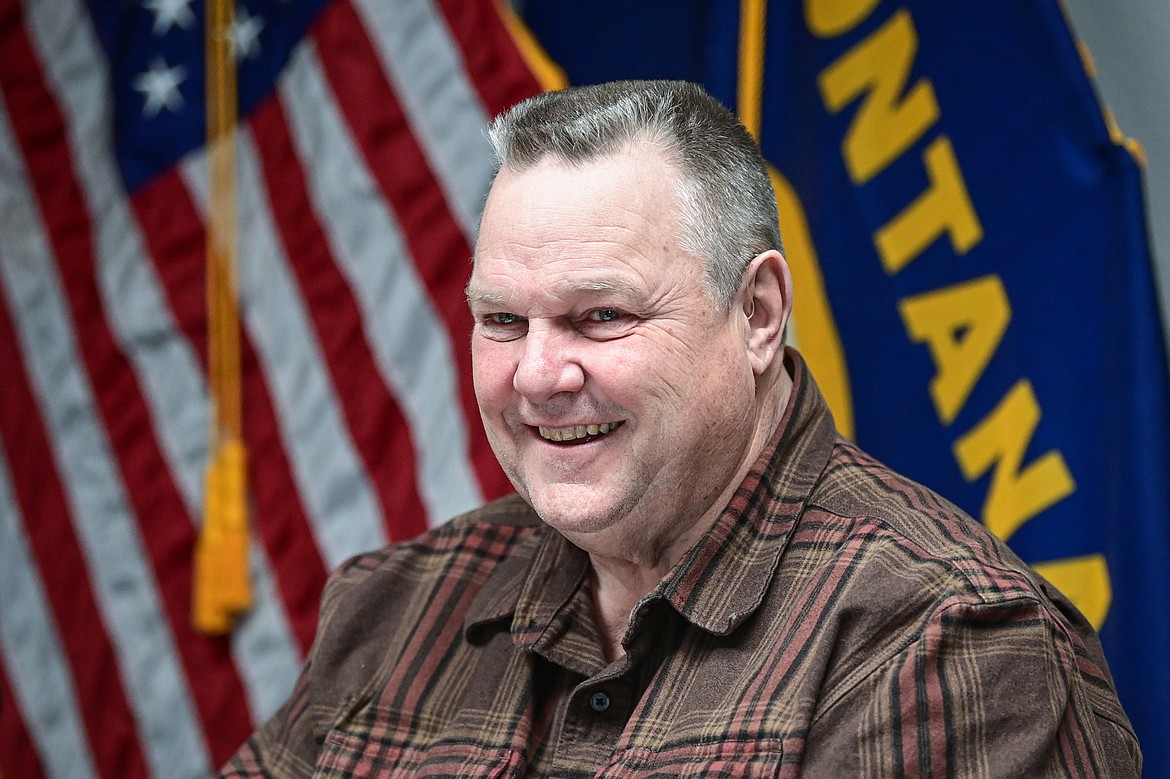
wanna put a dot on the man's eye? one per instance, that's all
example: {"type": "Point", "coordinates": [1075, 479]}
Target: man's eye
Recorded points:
{"type": "Point", "coordinates": [605, 314]}
{"type": "Point", "coordinates": [502, 326]}
{"type": "Point", "coordinates": [606, 323]}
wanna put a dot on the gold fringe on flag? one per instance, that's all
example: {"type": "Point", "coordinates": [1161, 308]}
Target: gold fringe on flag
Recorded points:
{"type": "Point", "coordinates": [222, 588]}
{"type": "Point", "coordinates": [812, 326]}
{"type": "Point", "coordinates": [752, 20]}
{"type": "Point", "coordinates": [547, 72]}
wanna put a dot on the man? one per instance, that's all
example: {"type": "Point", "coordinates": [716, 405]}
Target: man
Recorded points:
{"type": "Point", "coordinates": [697, 576]}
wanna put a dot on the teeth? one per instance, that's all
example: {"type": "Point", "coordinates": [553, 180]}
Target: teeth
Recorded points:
{"type": "Point", "coordinates": [579, 431]}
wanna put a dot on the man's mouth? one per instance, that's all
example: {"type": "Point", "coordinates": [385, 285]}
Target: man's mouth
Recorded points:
{"type": "Point", "coordinates": [577, 433]}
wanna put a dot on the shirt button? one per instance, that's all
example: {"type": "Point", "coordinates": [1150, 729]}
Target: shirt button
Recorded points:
{"type": "Point", "coordinates": [599, 702]}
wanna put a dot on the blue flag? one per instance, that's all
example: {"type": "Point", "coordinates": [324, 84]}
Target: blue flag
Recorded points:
{"type": "Point", "coordinates": [974, 287]}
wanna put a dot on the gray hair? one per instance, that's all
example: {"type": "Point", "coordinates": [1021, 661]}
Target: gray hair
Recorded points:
{"type": "Point", "coordinates": [728, 208]}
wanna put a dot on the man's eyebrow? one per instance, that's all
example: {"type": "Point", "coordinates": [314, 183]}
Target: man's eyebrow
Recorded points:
{"type": "Point", "coordinates": [607, 285]}
{"type": "Point", "coordinates": [477, 296]}
{"type": "Point", "coordinates": [482, 297]}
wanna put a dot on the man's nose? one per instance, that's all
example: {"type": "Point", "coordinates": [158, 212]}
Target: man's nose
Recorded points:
{"type": "Point", "coordinates": [548, 364]}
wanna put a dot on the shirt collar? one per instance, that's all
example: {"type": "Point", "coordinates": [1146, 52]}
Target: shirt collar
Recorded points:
{"type": "Point", "coordinates": [723, 579]}
{"type": "Point", "coordinates": [530, 586]}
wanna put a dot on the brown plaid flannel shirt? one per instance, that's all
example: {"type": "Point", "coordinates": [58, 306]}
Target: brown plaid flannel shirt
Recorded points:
{"type": "Point", "coordinates": [838, 620]}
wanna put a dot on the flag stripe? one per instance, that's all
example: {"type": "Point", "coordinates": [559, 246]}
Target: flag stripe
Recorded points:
{"type": "Point", "coordinates": [378, 429]}
{"type": "Point", "coordinates": [426, 69]}
{"type": "Point", "coordinates": [393, 157]}
{"type": "Point", "coordinates": [172, 230]}
{"type": "Point", "coordinates": [343, 511]}
{"type": "Point", "coordinates": [118, 564]}
{"type": "Point", "coordinates": [109, 264]}
{"type": "Point", "coordinates": [174, 387]}
{"type": "Point", "coordinates": [39, 493]}
{"type": "Point", "coordinates": [408, 339]}
{"type": "Point", "coordinates": [282, 519]}
{"type": "Point", "coordinates": [263, 648]}
{"type": "Point", "coordinates": [34, 660]}
{"type": "Point", "coordinates": [360, 419]}
{"type": "Point", "coordinates": [18, 755]}
{"type": "Point", "coordinates": [493, 62]}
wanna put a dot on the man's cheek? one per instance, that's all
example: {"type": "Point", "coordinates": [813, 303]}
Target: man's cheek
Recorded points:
{"type": "Point", "coordinates": [492, 371]}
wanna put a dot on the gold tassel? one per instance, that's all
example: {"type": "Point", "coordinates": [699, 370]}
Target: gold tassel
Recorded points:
{"type": "Point", "coordinates": [222, 587]}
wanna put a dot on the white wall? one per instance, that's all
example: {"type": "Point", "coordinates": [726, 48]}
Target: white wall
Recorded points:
{"type": "Point", "coordinates": [1129, 41]}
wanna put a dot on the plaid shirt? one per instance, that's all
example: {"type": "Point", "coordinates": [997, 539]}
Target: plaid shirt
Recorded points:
{"type": "Point", "coordinates": [837, 620]}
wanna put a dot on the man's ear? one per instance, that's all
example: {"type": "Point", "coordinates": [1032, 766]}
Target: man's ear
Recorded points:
{"type": "Point", "coordinates": [766, 299]}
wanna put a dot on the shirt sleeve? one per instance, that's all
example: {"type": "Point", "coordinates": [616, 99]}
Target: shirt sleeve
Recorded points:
{"type": "Point", "coordinates": [285, 746]}
{"type": "Point", "coordinates": [989, 690]}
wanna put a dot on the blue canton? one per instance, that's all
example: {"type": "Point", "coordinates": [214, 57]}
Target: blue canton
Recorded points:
{"type": "Point", "coordinates": [156, 52]}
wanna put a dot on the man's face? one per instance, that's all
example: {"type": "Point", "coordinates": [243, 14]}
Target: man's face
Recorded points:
{"type": "Point", "coordinates": [615, 393]}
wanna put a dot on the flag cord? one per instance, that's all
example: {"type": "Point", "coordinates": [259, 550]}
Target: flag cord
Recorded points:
{"type": "Point", "coordinates": [752, 16]}
{"type": "Point", "coordinates": [222, 589]}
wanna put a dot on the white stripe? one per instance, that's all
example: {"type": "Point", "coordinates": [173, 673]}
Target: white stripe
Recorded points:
{"type": "Point", "coordinates": [343, 509]}
{"type": "Point", "coordinates": [426, 68]}
{"type": "Point", "coordinates": [119, 567]}
{"type": "Point", "coordinates": [410, 344]}
{"type": "Point", "coordinates": [264, 649]}
{"type": "Point", "coordinates": [42, 681]}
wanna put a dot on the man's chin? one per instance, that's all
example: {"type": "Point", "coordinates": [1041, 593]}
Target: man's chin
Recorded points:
{"type": "Point", "coordinates": [575, 513]}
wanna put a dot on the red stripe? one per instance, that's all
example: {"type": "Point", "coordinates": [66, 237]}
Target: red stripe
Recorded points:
{"type": "Point", "coordinates": [18, 755]}
{"type": "Point", "coordinates": [165, 527]}
{"type": "Point", "coordinates": [109, 723]}
{"type": "Point", "coordinates": [494, 64]}
{"type": "Point", "coordinates": [280, 517]}
{"type": "Point", "coordinates": [177, 242]}
{"type": "Point", "coordinates": [399, 166]}
{"type": "Point", "coordinates": [379, 431]}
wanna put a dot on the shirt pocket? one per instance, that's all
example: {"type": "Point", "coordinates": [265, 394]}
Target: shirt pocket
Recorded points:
{"type": "Point", "coordinates": [760, 759]}
{"type": "Point", "coordinates": [393, 755]}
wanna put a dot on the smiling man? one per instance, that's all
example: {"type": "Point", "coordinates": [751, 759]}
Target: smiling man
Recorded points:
{"type": "Point", "coordinates": [696, 576]}
{"type": "Point", "coordinates": [589, 315]}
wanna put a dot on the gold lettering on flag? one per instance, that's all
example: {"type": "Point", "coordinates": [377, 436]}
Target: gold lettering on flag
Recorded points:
{"type": "Point", "coordinates": [1016, 493]}
{"type": "Point", "coordinates": [830, 18]}
{"type": "Point", "coordinates": [961, 325]}
{"type": "Point", "coordinates": [945, 207]}
{"type": "Point", "coordinates": [889, 119]}
{"type": "Point", "coordinates": [1084, 581]}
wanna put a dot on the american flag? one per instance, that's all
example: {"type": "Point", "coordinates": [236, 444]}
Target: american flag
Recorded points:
{"type": "Point", "coordinates": [362, 165]}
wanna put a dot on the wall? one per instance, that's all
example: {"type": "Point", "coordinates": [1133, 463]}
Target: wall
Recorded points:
{"type": "Point", "coordinates": [1129, 41]}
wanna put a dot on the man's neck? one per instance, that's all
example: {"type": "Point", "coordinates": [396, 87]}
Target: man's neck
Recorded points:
{"type": "Point", "coordinates": [614, 599]}
{"type": "Point", "coordinates": [621, 581]}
